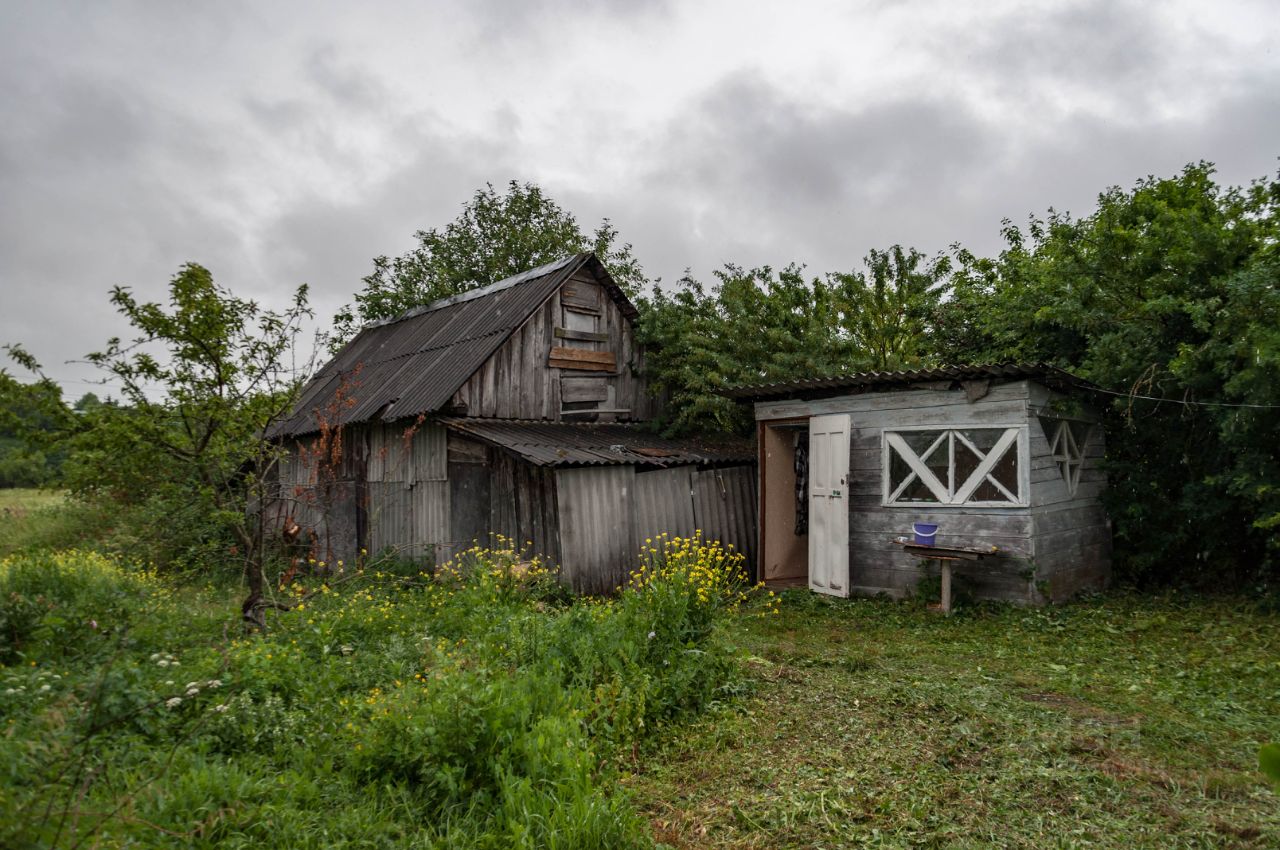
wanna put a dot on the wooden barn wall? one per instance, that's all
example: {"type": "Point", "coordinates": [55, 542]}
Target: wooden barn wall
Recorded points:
{"type": "Point", "coordinates": [470, 493]}
{"type": "Point", "coordinates": [409, 492]}
{"type": "Point", "coordinates": [1072, 533]}
{"type": "Point", "coordinates": [519, 382]}
{"type": "Point", "coordinates": [523, 505]}
{"type": "Point", "coordinates": [329, 507]}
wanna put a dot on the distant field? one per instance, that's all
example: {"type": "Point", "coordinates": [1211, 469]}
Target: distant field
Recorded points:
{"type": "Point", "coordinates": [1120, 722]}
{"type": "Point", "coordinates": [20, 499]}
{"type": "Point", "coordinates": [40, 518]}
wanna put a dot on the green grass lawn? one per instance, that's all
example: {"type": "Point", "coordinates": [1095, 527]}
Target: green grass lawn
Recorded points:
{"type": "Point", "coordinates": [1125, 722]}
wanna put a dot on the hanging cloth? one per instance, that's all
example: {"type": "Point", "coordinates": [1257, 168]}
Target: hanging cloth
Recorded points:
{"type": "Point", "coordinates": [802, 482]}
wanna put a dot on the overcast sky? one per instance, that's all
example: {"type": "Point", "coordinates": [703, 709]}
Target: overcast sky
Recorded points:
{"type": "Point", "coordinates": [279, 143]}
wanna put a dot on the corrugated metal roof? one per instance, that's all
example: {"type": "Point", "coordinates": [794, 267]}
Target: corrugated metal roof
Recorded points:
{"type": "Point", "coordinates": [1050, 376]}
{"type": "Point", "coordinates": [415, 363]}
{"type": "Point", "coordinates": [591, 444]}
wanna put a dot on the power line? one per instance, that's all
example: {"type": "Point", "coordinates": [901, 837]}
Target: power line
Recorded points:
{"type": "Point", "coordinates": [1188, 403]}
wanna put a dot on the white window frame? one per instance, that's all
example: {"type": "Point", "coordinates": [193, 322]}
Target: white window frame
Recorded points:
{"type": "Point", "coordinates": [952, 493]}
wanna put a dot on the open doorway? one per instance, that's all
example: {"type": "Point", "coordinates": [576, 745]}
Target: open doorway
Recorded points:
{"type": "Point", "coordinates": [784, 503]}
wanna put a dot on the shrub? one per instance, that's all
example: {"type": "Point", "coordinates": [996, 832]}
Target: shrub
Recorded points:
{"type": "Point", "coordinates": [55, 604]}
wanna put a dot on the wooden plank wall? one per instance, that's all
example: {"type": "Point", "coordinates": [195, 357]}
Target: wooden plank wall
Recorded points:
{"type": "Point", "coordinates": [523, 505]}
{"type": "Point", "coordinates": [876, 565]}
{"type": "Point", "coordinates": [1072, 533]}
{"type": "Point", "coordinates": [330, 508]}
{"type": "Point", "coordinates": [520, 381]}
{"type": "Point", "coordinates": [1054, 547]}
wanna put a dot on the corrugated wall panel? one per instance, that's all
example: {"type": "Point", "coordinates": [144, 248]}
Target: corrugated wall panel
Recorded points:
{"type": "Point", "coordinates": [430, 523]}
{"type": "Point", "coordinates": [389, 516]}
{"type": "Point", "coordinates": [664, 503]}
{"type": "Point", "coordinates": [725, 508]}
{"type": "Point", "coordinates": [430, 453]}
{"type": "Point", "coordinates": [597, 546]}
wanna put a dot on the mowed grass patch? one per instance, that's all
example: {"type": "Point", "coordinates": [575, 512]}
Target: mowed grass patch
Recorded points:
{"type": "Point", "coordinates": [1125, 721]}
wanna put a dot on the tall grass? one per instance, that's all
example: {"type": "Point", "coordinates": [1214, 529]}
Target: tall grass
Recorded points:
{"type": "Point", "coordinates": [474, 705]}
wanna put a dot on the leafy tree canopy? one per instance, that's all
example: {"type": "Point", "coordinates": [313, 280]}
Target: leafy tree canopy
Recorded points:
{"type": "Point", "coordinates": [759, 326]}
{"type": "Point", "coordinates": [497, 235]}
{"type": "Point", "coordinates": [1168, 290]}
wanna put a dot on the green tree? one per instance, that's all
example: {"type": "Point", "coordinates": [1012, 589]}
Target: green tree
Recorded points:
{"type": "Point", "coordinates": [183, 457]}
{"type": "Point", "coordinates": [1167, 290]}
{"type": "Point", "coordinates": [496, 236]}
{"type": "Point", "coordinates": [753, 326]}
{"type": "Point", "coordinates": [887, 312]}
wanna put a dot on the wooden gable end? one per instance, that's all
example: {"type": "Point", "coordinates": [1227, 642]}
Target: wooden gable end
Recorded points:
{"type": "Point", "coordinates": [575, 359]}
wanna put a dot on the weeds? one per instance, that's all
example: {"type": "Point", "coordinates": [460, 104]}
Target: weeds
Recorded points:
{"type": "Point", "coordinates": [472, 704]}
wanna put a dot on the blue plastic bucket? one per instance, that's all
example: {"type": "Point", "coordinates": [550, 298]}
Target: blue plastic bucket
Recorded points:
{"type": "Point", "coordinates": [925, 533]}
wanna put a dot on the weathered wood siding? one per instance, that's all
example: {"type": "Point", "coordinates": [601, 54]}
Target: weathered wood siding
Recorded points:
{"type": "Point", "coordinates": [523, 505]}
{"type": "Point", "coordinates": [1051, 548]}
{"type": "Point", "coordinates": [576, 358]}
{"type": "Point", "coordinates": [326, 495]}
{"type": "Point", "coordinates": [1071, 531]}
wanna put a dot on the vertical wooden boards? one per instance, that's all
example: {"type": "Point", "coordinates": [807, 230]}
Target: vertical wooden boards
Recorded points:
{"type": "Point", "coordinates": [596, 526]}
{"type": "Point", "coordinates": [521, 380]}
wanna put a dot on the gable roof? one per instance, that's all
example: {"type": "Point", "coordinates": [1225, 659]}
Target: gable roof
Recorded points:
{"type": "Point", "coordinates": [414, 363]}
{"type": "Point", "coordinates": [807, 388]}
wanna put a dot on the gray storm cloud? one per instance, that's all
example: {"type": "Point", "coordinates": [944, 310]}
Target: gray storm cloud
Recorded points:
{"type": "Point", "coordinates": [280, 144]}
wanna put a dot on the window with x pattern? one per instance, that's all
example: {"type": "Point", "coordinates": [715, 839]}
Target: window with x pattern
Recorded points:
{"type": "Point", "coordinates": [956, 466]}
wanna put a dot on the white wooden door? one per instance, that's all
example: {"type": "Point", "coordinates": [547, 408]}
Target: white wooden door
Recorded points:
{"type": "Point", "coordinates": [828, 504]}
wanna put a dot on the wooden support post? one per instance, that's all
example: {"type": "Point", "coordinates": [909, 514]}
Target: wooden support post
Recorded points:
{"type": "Point", "coordinates": [946, 586]}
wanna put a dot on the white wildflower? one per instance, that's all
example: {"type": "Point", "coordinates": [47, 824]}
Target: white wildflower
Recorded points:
{"type": "Point", "coordinates": [192, 691]}
{"type": "Point", "coordinates": [173, 702]}
{"type": "Point", "coordinates": [214, 683]}
{"type": "Point", "coordinates": [155, 656]}
{"type": "Point", "coordinates": [45, 689]}
{"type": "Point", "coordinates": [163, 662]}
{"type": "Point", "coordinates": [190, 685]}
{"type": "Point", "coordinates": [652, 635]}
{"type": "Point", "coordinates": [8, 691]}
{"type": "Point", "coordinates": [169, 682]}
{"type": "Point", "coordinates": [221, 708]}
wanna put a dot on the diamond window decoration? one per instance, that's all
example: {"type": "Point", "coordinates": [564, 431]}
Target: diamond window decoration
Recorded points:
{"type": "Point", "coordinates": [1066, 445]}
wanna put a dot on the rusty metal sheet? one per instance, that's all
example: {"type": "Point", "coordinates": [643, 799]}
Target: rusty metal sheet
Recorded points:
{"type": "Point", "coordinates": [416, 362]}
{"type": "Point", "coordinates": [558, 444]}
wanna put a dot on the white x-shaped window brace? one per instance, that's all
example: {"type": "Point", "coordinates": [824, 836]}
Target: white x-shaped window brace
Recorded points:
{"type": "Point", "coordinates": [952, 492]}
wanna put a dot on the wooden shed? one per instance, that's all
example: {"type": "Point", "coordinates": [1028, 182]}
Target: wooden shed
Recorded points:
{"type": "Point", "coordinates": [520, 408]}
{"type": "Point", "coordinates": [1003, 456]}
